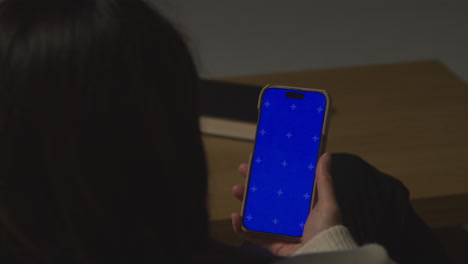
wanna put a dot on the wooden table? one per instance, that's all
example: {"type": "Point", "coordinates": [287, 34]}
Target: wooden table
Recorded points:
{"type": "Point", "coordinates": [410, 120]}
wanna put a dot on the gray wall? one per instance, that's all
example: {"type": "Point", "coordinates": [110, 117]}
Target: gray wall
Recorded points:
{"type": "Point", "coordinates": [259, 36]}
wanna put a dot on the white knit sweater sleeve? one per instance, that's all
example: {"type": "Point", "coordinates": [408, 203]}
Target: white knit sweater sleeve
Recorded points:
{"type": "Point", "coordinates": [336, 238]}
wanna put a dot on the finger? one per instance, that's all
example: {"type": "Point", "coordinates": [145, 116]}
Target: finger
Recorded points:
{"type": "Point", "coordinates": [236, 222]}
{"type": "Point", "coordinates": [243, 169]}
{"type": "Point", "coordinates": [237, 226]}
{"type": "Point", "coordinates": [325, 190]}
{"type": "Point", "coordinates": [267, 243]}
{"type": "Point", "coordinates": [238, 191]}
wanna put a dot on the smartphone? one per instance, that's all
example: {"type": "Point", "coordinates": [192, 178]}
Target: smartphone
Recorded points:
{"type": "Point", "coordinates": [290, 137]}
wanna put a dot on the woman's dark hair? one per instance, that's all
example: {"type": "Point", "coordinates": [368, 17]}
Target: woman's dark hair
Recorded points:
{"type": "Point", "coordinates": [101, 156]}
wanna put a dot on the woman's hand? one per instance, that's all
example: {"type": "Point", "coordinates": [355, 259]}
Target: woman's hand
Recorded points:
{"type": "Point", "coordinates": [324, 214]}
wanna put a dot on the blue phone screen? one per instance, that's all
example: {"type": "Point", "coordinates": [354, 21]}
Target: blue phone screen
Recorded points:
{"type": "Point", "coordinates": [282, 171]}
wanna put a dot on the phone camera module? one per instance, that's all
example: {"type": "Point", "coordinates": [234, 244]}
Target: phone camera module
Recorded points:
{"type": "Point", "coordinates": [294, 95]}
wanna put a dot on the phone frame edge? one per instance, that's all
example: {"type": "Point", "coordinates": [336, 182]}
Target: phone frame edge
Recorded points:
{"type": "Point", "coordinates": [323, 143]}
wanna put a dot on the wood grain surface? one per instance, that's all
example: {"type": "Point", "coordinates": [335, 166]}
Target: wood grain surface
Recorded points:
{"type": "Point", "coordinates": [410, 120]}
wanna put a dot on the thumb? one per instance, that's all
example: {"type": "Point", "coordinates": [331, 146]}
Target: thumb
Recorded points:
{"type": "Point", "coordinates": [325, 190]}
